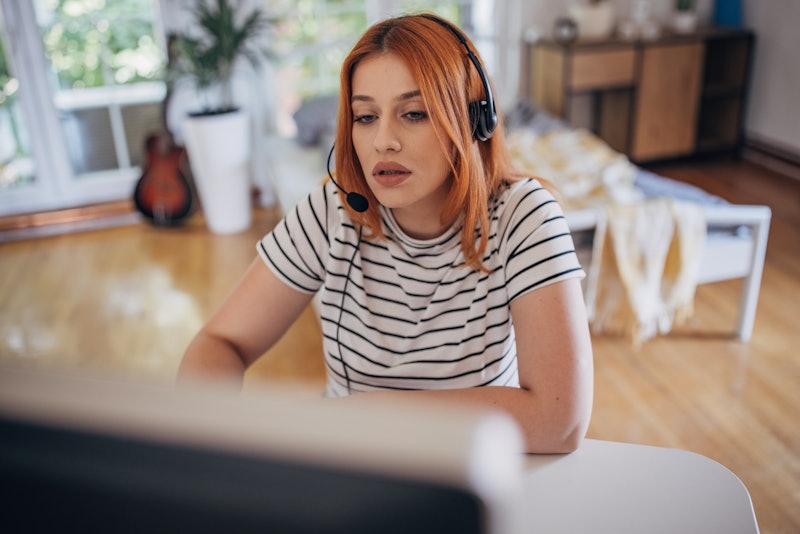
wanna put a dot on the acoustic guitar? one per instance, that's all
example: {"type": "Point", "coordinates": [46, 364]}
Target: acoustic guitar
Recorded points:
{"type": "Point", "coordinates": [163, 193]}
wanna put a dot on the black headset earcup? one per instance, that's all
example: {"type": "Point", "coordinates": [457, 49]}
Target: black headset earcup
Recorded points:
{"type": "Point", "coordinates": [483, 120]}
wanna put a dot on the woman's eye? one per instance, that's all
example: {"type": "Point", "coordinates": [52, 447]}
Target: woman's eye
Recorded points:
{"type": "Point", "coordinates": [364, 119]}
{"type": "Point", "coordinates": [416, 115]}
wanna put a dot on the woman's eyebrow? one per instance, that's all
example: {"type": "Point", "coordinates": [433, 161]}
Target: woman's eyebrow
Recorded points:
{"type": "Point", "coordinates": [409, 95]}
{"type": "Point", "coordinates": [405, 96]}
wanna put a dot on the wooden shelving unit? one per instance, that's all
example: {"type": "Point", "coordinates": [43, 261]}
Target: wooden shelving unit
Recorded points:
{"type": "Point", "coordinates": [676, 96]}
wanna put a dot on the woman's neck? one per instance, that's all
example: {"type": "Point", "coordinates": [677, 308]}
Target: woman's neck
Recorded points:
{"type": "Point", "coordinates": [421, 226]}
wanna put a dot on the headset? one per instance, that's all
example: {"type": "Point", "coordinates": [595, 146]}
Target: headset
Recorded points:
{"type": "Point", "coordinates": [482, 116]}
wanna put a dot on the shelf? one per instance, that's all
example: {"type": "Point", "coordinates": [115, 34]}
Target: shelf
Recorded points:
{"type": "Point", "coordinates": [726, 61]}
{"type": "Point", "coordinates": [723, 90]}
{"type": "Point", "coordinates": [714, 144]}
{"type": "Point", "coordinates": [675, 96]}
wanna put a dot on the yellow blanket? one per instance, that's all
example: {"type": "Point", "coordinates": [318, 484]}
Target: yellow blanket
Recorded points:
{"type": "Point", "coordinates": [587, 172]}
{"type": "Point", "coordinates": [644, 268]}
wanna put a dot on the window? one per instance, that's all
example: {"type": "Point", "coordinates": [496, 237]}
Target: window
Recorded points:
{"type": "Point", "coordinates": [17, 168]}
{"type": "Point", "coordinates": [91, 79]}
{"type": "Point", "coordinates": [106, 74]}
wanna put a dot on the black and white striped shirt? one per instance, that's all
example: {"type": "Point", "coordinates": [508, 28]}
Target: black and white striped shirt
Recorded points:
{"type": "Point", "coordinates": [402, 313]}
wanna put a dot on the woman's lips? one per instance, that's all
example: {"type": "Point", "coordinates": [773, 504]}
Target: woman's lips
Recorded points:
{"type": "Point", "coordinates": [389, 174]}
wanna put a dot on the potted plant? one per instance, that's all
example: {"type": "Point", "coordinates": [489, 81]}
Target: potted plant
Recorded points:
{"type": "Point", "coordinates": [684, 20]}
{"type": "Point", "coordinates": [217, 136]}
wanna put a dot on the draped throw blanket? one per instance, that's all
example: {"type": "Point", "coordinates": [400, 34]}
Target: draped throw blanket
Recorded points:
{"type": "Point", "coordinates": [645, 265]}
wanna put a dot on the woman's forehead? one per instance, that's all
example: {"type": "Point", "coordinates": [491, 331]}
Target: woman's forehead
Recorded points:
{"type": "Point", "coordinates": [384, 76]}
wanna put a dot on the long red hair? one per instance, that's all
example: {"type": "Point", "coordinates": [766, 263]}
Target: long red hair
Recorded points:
{"type": "Point", "coordinates": [447, 81]}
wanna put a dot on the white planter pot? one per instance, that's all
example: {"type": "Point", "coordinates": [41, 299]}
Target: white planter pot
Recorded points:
{"type": "Point", "coordinates": [219, 153]}
{"type": "Point", "coordinates": [684, 21]}
{"type": "Point", "coordinates": [595, 21]}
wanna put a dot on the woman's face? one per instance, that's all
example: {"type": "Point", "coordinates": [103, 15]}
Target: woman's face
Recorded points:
{"type": "Point", "coordinates": [394, 139]}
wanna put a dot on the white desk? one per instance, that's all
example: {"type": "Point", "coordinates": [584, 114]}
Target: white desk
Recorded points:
{"type": "Point", "coordinates": [620, 488]}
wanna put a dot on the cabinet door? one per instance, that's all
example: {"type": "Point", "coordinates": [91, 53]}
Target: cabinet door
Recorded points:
{"type": "Point", "coordinates": [667, 101]}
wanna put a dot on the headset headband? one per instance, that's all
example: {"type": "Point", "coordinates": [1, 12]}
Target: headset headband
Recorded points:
{"type": "Point", "coordinates": [482, 113]}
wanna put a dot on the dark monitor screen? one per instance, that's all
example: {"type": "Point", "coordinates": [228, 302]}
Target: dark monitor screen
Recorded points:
{"type": "Point", "coordinates": [55, 479]}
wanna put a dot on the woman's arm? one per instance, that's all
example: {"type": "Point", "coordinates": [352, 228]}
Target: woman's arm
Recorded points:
{"type": "Point", "coordinates": [556, 372]}
{"type": "Point", "coordinates": [556, 366]}
{"type": "Point", "coordinates": [250, 320]}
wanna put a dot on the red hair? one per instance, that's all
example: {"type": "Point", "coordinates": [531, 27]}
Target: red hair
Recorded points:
{"type": "Point", "coordinates": [447, 81]}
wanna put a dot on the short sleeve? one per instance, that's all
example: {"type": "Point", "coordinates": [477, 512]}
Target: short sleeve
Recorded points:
{"type": "Point", "coordinates": [537, 244]}
{"type": "Point", "coordinates": [295, 249]}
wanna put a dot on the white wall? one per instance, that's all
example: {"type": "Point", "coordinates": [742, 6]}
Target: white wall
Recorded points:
{"type": "Point", "coordinates": [773, 114]}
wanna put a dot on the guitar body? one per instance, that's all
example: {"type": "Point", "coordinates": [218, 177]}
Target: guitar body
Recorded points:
{"type": "Point", "coordinates": [163, 194]}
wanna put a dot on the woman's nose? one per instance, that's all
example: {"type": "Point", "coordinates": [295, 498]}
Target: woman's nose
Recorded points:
{"type": "Point", "coordinates": [386, 136]}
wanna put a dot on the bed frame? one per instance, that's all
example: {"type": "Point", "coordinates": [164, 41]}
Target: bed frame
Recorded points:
{"type": "Point", "coordinates": [295, 170]}
{"type": "Point", "coordinates": [727, 255]}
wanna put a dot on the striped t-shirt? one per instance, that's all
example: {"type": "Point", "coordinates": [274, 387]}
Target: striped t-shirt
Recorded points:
{"type": "Point", "coordinates": [402, 313]}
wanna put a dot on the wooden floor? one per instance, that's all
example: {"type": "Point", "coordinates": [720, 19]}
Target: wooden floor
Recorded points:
{"type": "Point", "coordinates": [127, 300]}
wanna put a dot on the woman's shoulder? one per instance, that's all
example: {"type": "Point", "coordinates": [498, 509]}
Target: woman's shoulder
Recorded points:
{"type": "Point", "coordinates": [524, 204]}
{"type": "Point", "coordinates": [325, 192]}
{"type": "Point", "coordinates": [522, 193]}
{"type": "Point", "coordinates": [322, 202]}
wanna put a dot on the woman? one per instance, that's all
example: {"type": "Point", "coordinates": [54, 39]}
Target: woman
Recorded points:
{"type": "Point", "coordinates": [448, 271]}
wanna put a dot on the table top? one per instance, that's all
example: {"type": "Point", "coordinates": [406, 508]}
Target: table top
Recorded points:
{"type": "Point", "coordinates": [620, 487]}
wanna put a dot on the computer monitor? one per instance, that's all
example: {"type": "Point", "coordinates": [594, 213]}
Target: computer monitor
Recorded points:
{"type": "Point", "coordinates": [89, 455]}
